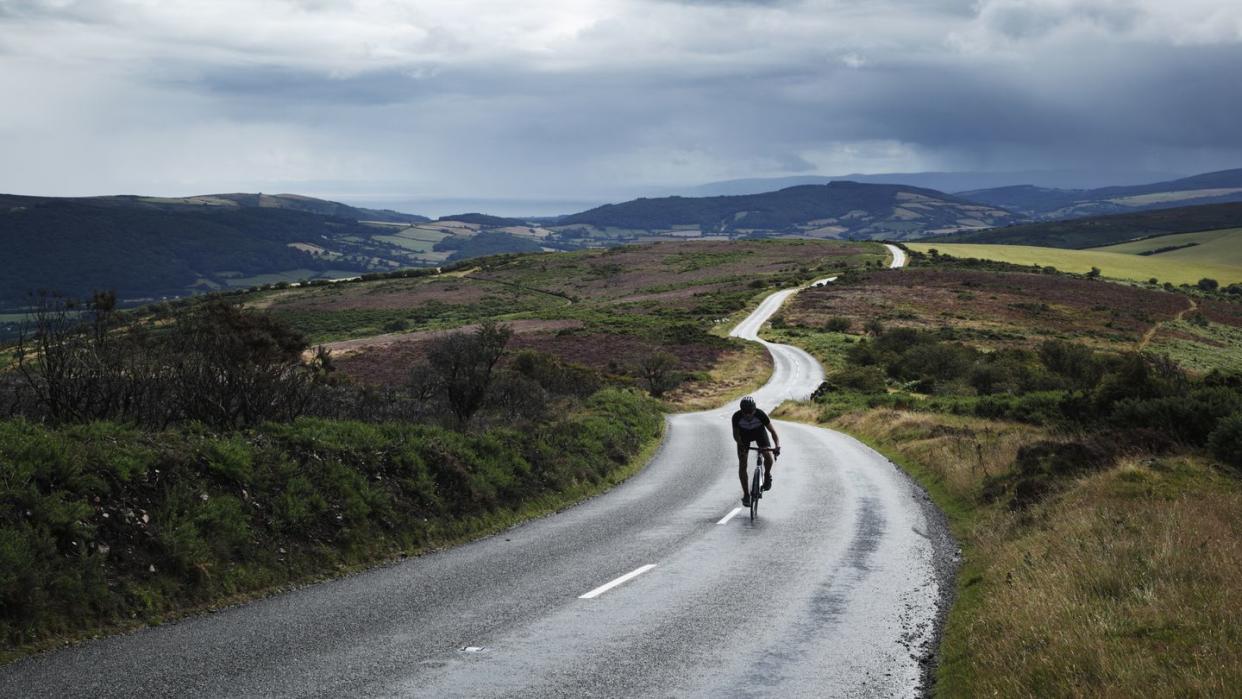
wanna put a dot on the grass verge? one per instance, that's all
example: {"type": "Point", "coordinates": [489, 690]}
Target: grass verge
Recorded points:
{"type": "Point", "coordinates": [738, 373]}
{"type": "Point", "coordinates": [1121, 583]}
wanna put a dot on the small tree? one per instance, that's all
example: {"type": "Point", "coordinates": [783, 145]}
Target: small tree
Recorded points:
{"type": "Point", "coordinates": [464, 364]}
{"type": "Point", "coordinates": [1208, 284]}
{"type": "Point", "coordinates": [1094, 273]}
{"type": "Point", "coordinates": [659, 371]}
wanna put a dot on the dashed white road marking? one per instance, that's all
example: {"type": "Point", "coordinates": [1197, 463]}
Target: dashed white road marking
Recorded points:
{"type": "Point", "coordinates": [730, 516]}
{"type": "Point", "coordinates": [624, 578]}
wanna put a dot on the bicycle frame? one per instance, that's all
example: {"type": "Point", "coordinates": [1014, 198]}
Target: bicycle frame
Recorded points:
{"type": "Point", "coordinates": [756, 479]}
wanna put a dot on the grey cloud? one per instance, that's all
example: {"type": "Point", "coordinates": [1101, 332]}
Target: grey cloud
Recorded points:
{"type": "Point", "coordinates": [1021, 19]}
{"type": "Point", "coordinates": [605, 108]}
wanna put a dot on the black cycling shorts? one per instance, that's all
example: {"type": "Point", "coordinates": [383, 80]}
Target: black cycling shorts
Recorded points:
{"type": "Point", "coordinates": [743, 444]}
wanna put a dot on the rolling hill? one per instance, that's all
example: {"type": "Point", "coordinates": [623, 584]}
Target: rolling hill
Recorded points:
{"type": "Point", "coordinates": [1049, 204]}
{"type": "Point", "coordinates": [1211, 247]}
{"type": "Point", "coordinates": [1106, 230]}
{"type": "Point", "coordinates": [151, 247]}
{"type": "Point", "coordinates": [286, 202]}
{"type": "Point", "coordinates": [1113, 265]}
{"type": "Point", "coordinates": [848, 210]}
{"type": "Point", "coordinates": [942, 181]}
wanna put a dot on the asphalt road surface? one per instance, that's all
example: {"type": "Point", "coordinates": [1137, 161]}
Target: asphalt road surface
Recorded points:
{"type": "Point", "coordinates": [899, 256]}
{"type": "Point", "coordinates": [661, 587]}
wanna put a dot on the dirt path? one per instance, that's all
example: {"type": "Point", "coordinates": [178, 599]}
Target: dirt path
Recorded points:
{"type": "Point", "coordinates": [1150, 334]}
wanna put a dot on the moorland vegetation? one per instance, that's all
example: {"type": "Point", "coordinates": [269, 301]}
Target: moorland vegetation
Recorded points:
{"type": "Point", "coordinates": [1086, 456]}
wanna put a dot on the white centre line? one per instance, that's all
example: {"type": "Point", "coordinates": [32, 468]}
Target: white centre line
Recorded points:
{"type": "Point", "coordinates": [608, 586]}
{"type": "Point", "coordinates": [730, 515]}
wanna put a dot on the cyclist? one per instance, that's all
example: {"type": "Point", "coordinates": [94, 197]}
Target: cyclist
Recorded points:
{"type": "Point", "coordinates": [749, 425]}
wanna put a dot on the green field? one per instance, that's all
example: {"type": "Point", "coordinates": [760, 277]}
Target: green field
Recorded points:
{"type": "Point", "coordinates": [1115, 265]}
{"type": "Point", "coordinates": [1212, 247]}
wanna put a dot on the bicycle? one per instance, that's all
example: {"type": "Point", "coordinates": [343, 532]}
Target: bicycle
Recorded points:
{"type": "Point", "coordinates": [756, 481]}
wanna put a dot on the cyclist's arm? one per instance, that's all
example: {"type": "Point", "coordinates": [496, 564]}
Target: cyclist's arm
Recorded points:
{"type": "Point", "coordinates": [776, 440]}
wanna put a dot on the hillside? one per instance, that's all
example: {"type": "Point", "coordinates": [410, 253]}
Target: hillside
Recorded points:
{"type": "Point", "coordinates": [1105, 230]}
{"type": "Point", "coordinates": [288, 202]}
{"type": "Point", "coordinates": [1049, 203]}
{"type": "Point", "coordinates": [847, 210]}
{"type": "Point", "coordinates": [1112, 265]}
{"type": "Point", "coordinates": [151, 247]}
{"type": "Point", "coordinates": [1210, 247]}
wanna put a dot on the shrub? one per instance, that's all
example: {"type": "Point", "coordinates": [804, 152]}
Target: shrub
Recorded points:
{"type": "Point", "coordinates": [1042, 408]}
{"type": "Point", "coordinates": [1208, 284]}
{"type": "Point", "coordinates": [1042, 467]}
{"type": "Point", "coordinates": [838, 324]}
{"type": "Point", "coordinates": [864, 379]}
{"type": "Point", "coordinates": [1186, 417]}
{"type": "Point", "coordinates": [1075, 363]}
{"type": "Point", "coordinates": [1225, 442]}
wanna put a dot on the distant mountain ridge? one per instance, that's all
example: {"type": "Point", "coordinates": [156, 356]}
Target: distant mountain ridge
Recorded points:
{"type": "Point", "coordinates": [950, 182]}
{"type": "Point", "coordinates": [290, 202]}
{"type": "Point", "coordinates": [1043, 203]}
{"type": "Point", "coordinates": [849, 210]}
{"type": "Point", "coordinates": [151, 247]}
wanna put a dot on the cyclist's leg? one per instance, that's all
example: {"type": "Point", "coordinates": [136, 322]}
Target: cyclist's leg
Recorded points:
{"type": "Point", "coordinates": [742, 452]}
{"type": "Point", "coordinates": [764, 444]}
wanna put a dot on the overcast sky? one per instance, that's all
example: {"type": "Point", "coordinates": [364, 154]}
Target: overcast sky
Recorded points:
{"type": "Point", "coordinates": [595, 99]}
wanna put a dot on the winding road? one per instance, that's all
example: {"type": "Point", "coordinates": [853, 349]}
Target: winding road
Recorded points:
{"type": "Point", "coordinates": [660, 587]}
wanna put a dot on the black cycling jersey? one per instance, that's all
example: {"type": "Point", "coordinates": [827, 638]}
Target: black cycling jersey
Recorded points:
{"type": "Point", "coordinates": [750, 427]}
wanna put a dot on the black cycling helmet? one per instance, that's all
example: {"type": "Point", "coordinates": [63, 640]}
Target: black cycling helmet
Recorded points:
{"type": "Point", "coordinates": [748, 403]}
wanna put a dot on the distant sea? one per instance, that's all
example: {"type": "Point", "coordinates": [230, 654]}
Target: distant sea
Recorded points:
{"type": "Point", "coordinates": [435, 208]}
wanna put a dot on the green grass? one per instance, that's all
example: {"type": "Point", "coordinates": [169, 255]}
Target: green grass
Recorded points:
{"type": "Point", "coordinates": [1114, 265]}
{"type": "Point", "coordinates": [1217, 347]}
{"type": "Point", "coordinates": [413, 239]}
{"type": "Point", "coordinates": [1219, 247]}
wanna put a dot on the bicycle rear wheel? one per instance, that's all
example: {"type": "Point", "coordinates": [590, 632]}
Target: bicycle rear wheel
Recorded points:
{"type": "Point", "coordinates": [756, 490]}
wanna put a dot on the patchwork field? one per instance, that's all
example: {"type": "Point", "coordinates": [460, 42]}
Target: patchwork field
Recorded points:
{"type": "Point", "coordinates": [1112, 264]}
